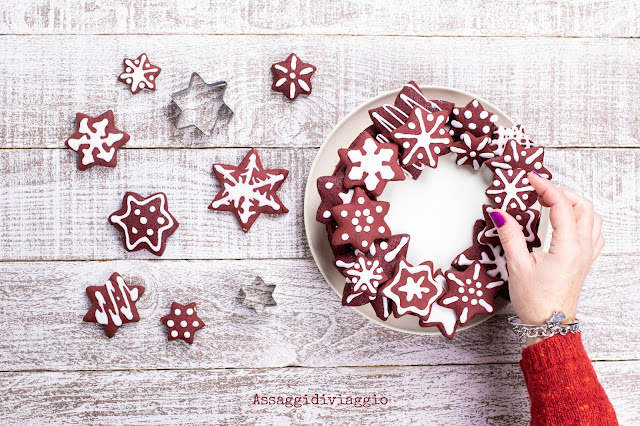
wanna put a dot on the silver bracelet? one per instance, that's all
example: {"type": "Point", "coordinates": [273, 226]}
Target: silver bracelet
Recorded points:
{"type": "Point", "coordinates": [552, 327]}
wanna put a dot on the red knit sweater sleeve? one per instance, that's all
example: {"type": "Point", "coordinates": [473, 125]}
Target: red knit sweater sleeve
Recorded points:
{"type": "Point", "coordinates": [563, 385]}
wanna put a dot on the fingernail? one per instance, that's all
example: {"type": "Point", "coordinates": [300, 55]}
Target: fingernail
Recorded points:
{"type": "Point", "coordinates": [497, 218]}
{"type": "Point", "coordinates": [536, 173]}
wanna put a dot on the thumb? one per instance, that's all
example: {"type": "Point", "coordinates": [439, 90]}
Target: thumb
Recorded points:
{"type": "Point", "coordinates": [511, 238]}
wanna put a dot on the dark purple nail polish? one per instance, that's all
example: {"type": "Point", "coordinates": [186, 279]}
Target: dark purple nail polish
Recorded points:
{"type": "Point", "coordinates": [536, 173]}
{"type": "Point", "coordinates": [497, 218]}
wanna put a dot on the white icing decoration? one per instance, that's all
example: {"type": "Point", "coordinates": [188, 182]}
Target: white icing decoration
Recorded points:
{"type": "Point", "coordinates": [293, 78]}
{"type": "Point", "coordinates": [423, 139]}
{"type": "Point", "coordinates": [391, 255]}
{"type": "Point", "coordinates": [413, 287]}
{"type": "Point", "coordinates": [95, 139]}
{"type": "Point", "coordinates": [109, 311]}
{"type": "Point", "coordinates": [373, 165]}
{"type": "Point", "coordinates": [366, 275]}
{"type": "Point", "coordinates": [473, 299]}
{"type": "Point", "coordinates": [471, 152]}
{"type": "Point", "coordinates": [136, 73]}
{"type": "Point", "coordinates": [514, 189]}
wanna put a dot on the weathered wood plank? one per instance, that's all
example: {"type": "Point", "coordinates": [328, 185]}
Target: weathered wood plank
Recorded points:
{"type": "Point", "coordinates": [51, 211]}
{"type": "Point", "coordinates": [567, 92]}
{"type": "Point", "coordinates": [575, 18]}
{"type": "Point", "coordinates": [43, 305]}
{"type": "Point", "coordinates": [462, 395]}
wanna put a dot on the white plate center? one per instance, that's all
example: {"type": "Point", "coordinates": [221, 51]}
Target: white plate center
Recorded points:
{"type": "Point", "coordinates": [438, 210]}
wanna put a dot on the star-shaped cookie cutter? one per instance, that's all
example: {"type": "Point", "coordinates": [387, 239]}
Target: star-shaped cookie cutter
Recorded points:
{"type": "Point", "coordinates": [219, 87]}
{"type": "Point", "coordinates": [258, 295]}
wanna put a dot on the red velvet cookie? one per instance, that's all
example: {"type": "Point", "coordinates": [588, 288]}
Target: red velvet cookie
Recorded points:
{"type": "Point", "coordinates": [423, 137]}
{"type": "Point", "coordinates": [389, 251]}
{"type": "Point", "coordinates": [182, 322]}
{"type": "Point", "coordinates": [370, 164]}
{"type": "Point", "coordinates": [470, 292]}
{"type": "Point", "coordinates": [528, 220]}
{"type": "Point", "coordinates": [96, 140]}
{"type": "Point", "coordinates": [145, 223]}
{"type": "Point", "coordinates": [248, 189]}
{"type": "Point", "coordinates": [473, 118]}
{"type": "Point", "coordinates": [445, 319]}
{"type": "Point", "coordinates": [411, 96]}
{"type": "Point", "coordinates": [491, 256]}
{"type": "Point", "coordinates": [511, 190]}
{"type": "Point", "coordinates": [472, 150]}
{"type": "Point", "coordinates": [503, 135]}
{"type": "Point", "coordinates": [413, 289]}
{"type": "Point", "coordinates": [350, 297]}
{"type": "Point", "coordinates": [113, 304]}
{"type": "Point", "coordinates": [518, 157]}
{"type": "Point", "coordinates": [332, 193]}
{"type": "Point", "coordinates": [292, 77]}
{"type": "Point", "coordinates": [140, 74]}
{"type": "Point", "coordinates": [360, 222]}
{"type": "Point", "coordinates": [365, 274]}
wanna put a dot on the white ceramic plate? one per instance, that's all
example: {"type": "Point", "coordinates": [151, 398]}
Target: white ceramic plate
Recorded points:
{"type": "Point", "coordinates": [438, 209]}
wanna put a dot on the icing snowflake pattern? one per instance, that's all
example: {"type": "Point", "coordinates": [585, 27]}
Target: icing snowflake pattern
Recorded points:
{"type": "Point", "coordinates": [292, 77]}
{"type": "Point", "coordinates": [518, 157]}
{"type": "Point", "coordinates": [371, 164]}
{"type": "Point", "coordinates": [528, 220]}
{"type": "Point", "coordinates": [365, 275]}
{"type": "Point", "coordinates": [472, 150]}
{"type": "Point", "coordinates": [511, 190]}
{"type": "Point", "coordinates": [139, 74]}
{"type": "Point", "coordinates": [96, 140]}
{"type": "Point", "coordinates": [113, 304]}
{"type": "Point", "coordinates": [423, 137]}
{"type": "Point", "coordinates": [413, 289]}
{"type": "Point", "coordinates": [503, 135]}
{"type": "Point", "coordinates": [145, 223]}
{"type": "Point", "coordinates": [182, 322]}
{"type": "Point", "coordinates": [470, 292]}
{"type": "Point", "coordinates": [249, 189]}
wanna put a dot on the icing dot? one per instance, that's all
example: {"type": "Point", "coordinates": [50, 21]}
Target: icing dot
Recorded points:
{"type": "Point", "coordinates": [326, 214]}
{"type": "Point", "coordinates": [354, 221]}
{"type": "Point", "coordinates": [292, 75]}
{"type": "Point", "coordinates": [525, 196]}
{"type": "Point", "coordinates": [360, 200]}
{"type": "Point", "coordinates": [472, 154]}
{"type": "Point", "coordinates": [177, 312]}
{"type": "Point", "coordinates": [468, 281]}
{"type": "Point", "coordinates": [365, 243]}
{"type": "Point", "coordinates": [468, 114]}
{"type": "Point", "coordinates": [384, 245]}
{"type": "Point", "coordinates": [343, 213]}
{"type": "Point", "coordinates": [137, 62]}
{"type": "Point", "coordinates": [345, 237]}
{"type": "Point", "coordinates": [129, 81]}
{"type": "Point", "coordinates": [513, 205]}
{"type": "Point", "coordinates": [472, 126]}
{"type": "Point", "coordinates": [518, 218]}
{"type": "Point", "coordinates": [366, 212]}
{"type": "Point", "coordinates": [160, 220]}
{"type": "Point", "coordinates": [465, 298]}
{"type": "Point", "coordinates": [136, 212]}
{"type": "Point", "coordinates": [498, 199]}
{"type": "Point", "coordinates": [484, 114]}
{"type": "Point", "coordinates": [478, 284]}
{"type": "Point", "coordinates": [328, 185]}
{"type": "Point", "coordinates": [523, 153]}
{"type": "Point", "coordinates": [183, 324]}
{"type": "Point", "coordinates": [187, 334]}
{"type": "Point", "coordinates": [143, 220]}
{"type": "Point", "coordinates": [420, 156]}
{"type": "Point", "coordinates": [430, 117]}
{"type": "Point", "coordinates": [537, 166]}
{"type": "Point", "coordinates": [525, 181]}
{"type": "Point", "coordinates": [367, 228]}
{"type": "Point", "coordinates": [485, 129]}
{"type": "Point", "coordinates": [149, 232]}
{"type": "Point", "coordinates": [129, 70]}
{"type": "Point", "coordinates": [460, 290]}
{"type": "Point", "coordinates": [379, 209]}
{"type": "Point", "coordinates": [507, 158]}
{"type": "Point", "coordinates": [441, 131]}
{"type": "Point", "coordinates": [174, 333]}
{"type": "Point", "coordinates": [189, 311]}
{"type": "Point", "coordinates": [510, 172]}
{"type": "Point", "coordinates": [496, 182]}
{"type": "Point", "coordinates": [436, 150]}
{"type": "Point", "coordinates": [475, 103]}
{"type": "Point", "coordinates": [381, 229]}
{"type": "Point", "coordinates": [170, 323]}
{"type": "Point", "coordinates": [456, 111]}
{"type": "Point", "coordinates": [479, 293]}
{"type": "Point", "coordinates": [134, 230]}
{"type": "Point", "coordinates": [370, 220]}
{"type": "Point", "coordinates": [411, 125]}
{"type": "Point", "coordinates": [152, 209]}
{"type": "Point", "coordinates": [358, 228]}
{"type": "Point", "coordinates": [358, 213]}
{"type": "Point", "coordinates": [472, 290]}
{"type": "Point", "coordinates": [196, 324]}
{"type": "Point", "coordinates": [493, 118]}
{"type": "Point", "coordinates": [474, 302]}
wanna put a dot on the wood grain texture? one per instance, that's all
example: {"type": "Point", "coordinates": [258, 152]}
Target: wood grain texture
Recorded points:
{"type": "Point", "coordinates": [470, 395]}
{"type": "Point", "coordinates": [567, 92]}
{"type": "Point", "coordinates": [574, 18]}
{"type": "Point", "coordinates": [51, 211]}
{"type": "Point", "coordinates": [43, 305]}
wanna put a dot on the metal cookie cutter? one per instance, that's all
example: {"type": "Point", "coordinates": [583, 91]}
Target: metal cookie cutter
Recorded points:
{"type": "Point", "coordinates": [201, 92]}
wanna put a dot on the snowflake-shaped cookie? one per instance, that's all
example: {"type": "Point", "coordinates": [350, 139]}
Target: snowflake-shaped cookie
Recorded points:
{"type": "Point", "coordinates": [445, 319]}
{"type": "Point", "coordinates": [511, 190]}
{"type": "Point", "coordinates": [360, 222]}
{"type": "Point", "coordinates": [423, 137]}
{"type": "Point", "coordinates": [332, 193]}
{"type": "Point", "coordinates": [491, 256]}
{"type": "Point", "coordinates": [470, 292]}
{"type": "Point", "coordinates": [145, 223]}
{"type": "Point", "coordinates": [503, 135]}
{"type": "Point", "coordinates": [113, 304]}
{"type": "Point", "coordinates": [473, 118]}
{"type": "Point", "coordinates": [182, 322]}
{"type": "Point", "coordinates": [292, 77]}
{"type": "Point", "coordinates": [528, 220]}
{"type": "Point", "coordinates": [96, 140]}
{"type": "Point", "coordinates": [517, 157]}
{"type": "Point", "coordinates": [370, 164]}
{"type": "Point", "coordinates": [389, 251]}
{"type": "Point", "coordinates": [249, 189]}
{"type": "Point", "coordinates": [413, 289]}
{"type": "Point", "coordinates": [365, 275]}
{"type": "Point", "coordinates": [472, 150]}
{"type": "Point", "coordinates": [140, 74]}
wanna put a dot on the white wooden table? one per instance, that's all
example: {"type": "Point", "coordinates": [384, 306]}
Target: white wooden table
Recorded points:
{"type": "Point", "coordinates": [568, 69]}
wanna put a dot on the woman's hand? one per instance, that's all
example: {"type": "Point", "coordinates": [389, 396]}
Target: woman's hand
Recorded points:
{"type": "Point", "coordinates": [540, 282]}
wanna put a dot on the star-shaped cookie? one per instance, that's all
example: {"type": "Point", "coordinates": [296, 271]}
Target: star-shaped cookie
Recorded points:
{"type": "Point", "coordinates": [292, 77]}
{"type": "Point", "coordinates": [516, 156]}
{"type": "Point", "coordinates": [145, 223]}
{"type": "Point", "coordinates": [182, 322]}
{"type": "Point", "coordinates": [248, 189]}
{"type": "Point", "coordinates": [140, 74]}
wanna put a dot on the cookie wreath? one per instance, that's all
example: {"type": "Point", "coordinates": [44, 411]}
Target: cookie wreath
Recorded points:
{"type": "Point", "coordinates": [407, 136]}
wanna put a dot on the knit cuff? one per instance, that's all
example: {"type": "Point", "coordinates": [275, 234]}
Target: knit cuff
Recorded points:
{"type": "Point", "coordinates": [553, 351]}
